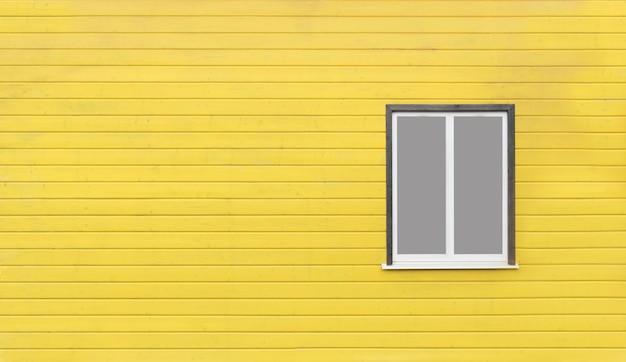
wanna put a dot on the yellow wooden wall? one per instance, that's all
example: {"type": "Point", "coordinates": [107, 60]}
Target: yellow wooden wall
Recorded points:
{"type": "Point", "coordinates": [204, 180]}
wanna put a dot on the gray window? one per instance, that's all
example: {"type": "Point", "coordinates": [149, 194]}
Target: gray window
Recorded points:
{"type": "Point", "coordinates": [450, 186]}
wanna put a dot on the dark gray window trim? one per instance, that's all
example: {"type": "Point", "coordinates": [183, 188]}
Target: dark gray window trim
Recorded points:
{"type": "Point", "coordinates": [509, 108]}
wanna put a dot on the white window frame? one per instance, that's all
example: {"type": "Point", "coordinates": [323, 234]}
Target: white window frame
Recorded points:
{"type": "Point", "coordinates": [449, 260]}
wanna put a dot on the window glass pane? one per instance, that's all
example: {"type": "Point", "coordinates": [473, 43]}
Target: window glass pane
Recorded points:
{"type": "Point", "coordinates": [421, 177]}
{"type": "Point", "coordinates": [478, 185]}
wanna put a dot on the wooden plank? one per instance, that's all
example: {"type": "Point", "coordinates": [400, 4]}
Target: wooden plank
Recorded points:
{"type": "Point", "coordinates": [568, 190]}
{"type": "Point", "coordinates": [571, 223]}
{"type": "Point", "coordinates": [307, 324]}
{"type": "Point", "coordinates": [289, 290]}
{"type": "Point", "coordinates": [316, 340]}
{"type": "Point", "coordinates": [434, 91]}
{"type": "Point", "coordinates": [570, 207]}
{"type": "Point", "coordinates": [181, 190]}
{"type": "Point", "coordinates": [221, 41]}
{"type": "Point", "coordinates": [180, 140]}
{"type": "Point", "coordinates": [571, 173]}
{"type": "Point", "coordinates": [195, 207]}
{"type": "Point", "coordinates": [460, 68]}
{"type": "Point", "coordinates": [556, 157]}
{"type": "Point", "coordinates": [201, 123]}
{"type": "Point", "coordinates": [569, 124]}
{"type": "Point", "coordinates": [314, 307]}
{"type": "Point", "coordinates": [164, 157]}
{"type": "Point", "coordinates": [197, 173]}
{"type": "Point", "coordinates": [313, 8]}
{"type": "Point", "coordinates": [296, 107]}
{"type": "Point", "coordinates": [571, 140]}
{"type": "Point", "coordinates": [192, 223]}
{"type": "Point", "coordinates": [548, 271]}
{"type": "Point", "coordinates": [308, 355]}
{"type": "Point", "coordinates": [197, 240]}
{"type": "Point", "coordinates": [591, 239]}
{"type": "Point", "coordinates": [305, 24]}
{"type": "Point", "coordinates": [545, 65]}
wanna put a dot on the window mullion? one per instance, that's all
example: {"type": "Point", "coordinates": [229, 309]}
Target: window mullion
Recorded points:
{"type": "Point", "coordinates": [449, 185]}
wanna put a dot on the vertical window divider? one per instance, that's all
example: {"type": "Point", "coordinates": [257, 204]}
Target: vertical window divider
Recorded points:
{"type": "Point", "coordinates": [449, 185]}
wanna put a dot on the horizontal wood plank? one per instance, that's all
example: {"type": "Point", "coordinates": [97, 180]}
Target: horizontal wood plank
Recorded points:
{"type": "Point", "coordinates": [313, 8]}
{"type": "Point", "coordinates": [176, 156]}
{"type": "Point", "coordinates": [203, 174]}
{"type": "Point", "coordinates": [292, 107]}
{"type": "Point", "coordinates": [421, 41]}
{"type": "Point", "coordinates": [307, 24]}
{"type": "Point", "coordinates": [313, 355]}
{"type": "Point", "coordinates": [308, 324]}
{"type": "Point", "coordinates": [445, 65]}
{"type": "Point", "coordinates": [311, 66]}
{"type": "Point", "coordinates": [238, 340]}
{"type": "Point", "coordinates": [195, 207]}
{"type": "Point", "coordinates": [435, 91]}
{"type": "Point", "coordinates": [236, 271]}
{"type": "Point", "coordinates": [314, 307]}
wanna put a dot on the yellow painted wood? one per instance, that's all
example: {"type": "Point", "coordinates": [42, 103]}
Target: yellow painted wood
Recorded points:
{"type": "Point", "coordinates": [571, 140]}
{"type": "Point", "coordinates": [175, 156]}
{"type": "Point", "coordinates": [242, 24]}
{"type": "Point", "coordinates": [200, 123]}
{"type": "Point", "coordinates": [542, 65]}
{"type": "Point", "coordinates": [213, 174]}
{"type": "Point", "coordinates": [307, 324]}
{"type": "Point", "coordinates": [220, 240]}
{"type": "Point", "coordinates": [196, 207]}
{"type": "Point", "coordinates": [557, 157]}
{"type": "Point", "coordinates": [196, 190]}
{"type": "Point", "coordinates": [193, 223]}
{"type": "Point", "coordinates": [564, 239]}
{"type": "Point", "coordinates": [314, 8]}
{"type": "Point", "coordinates": [315, 290]}
{"type": "Point", "coordinates": [308, 273]}
{"type": "Point", "coordinates": [284, 107]}
{"type": "Point", "coordinates": [570, 207]}
{"type": "Point", "coordinates": [583, 190]}
{"type": "Point", "coordinates": [421, 41]}
{"type": "Point", "coordinates": [315, 307]}
{"type": "Point", "coordinates": [557, 67]}
{"type": "Point", "coordinates": [571, 223]}
{"type": "Point", "coordinates": [199, 173]}
{"type": "Point", "coordinates": [570, 173]}
{"type": "Point", "coordinates": [306, 355]}
{"type": "Point", "coordinates": [193, 140]}
{"type": "Point", "coordinates": [435, 91]}
{"type": "Point", "coordinates": [236, 340]}
{"type": "Point", "coordinates": [569, 124]}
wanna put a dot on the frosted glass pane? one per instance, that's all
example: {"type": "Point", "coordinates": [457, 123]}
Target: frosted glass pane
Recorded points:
{"type": "Point", "coordinates": [421, 175]}
{"type": "Point", "coordinates": [478, 185]}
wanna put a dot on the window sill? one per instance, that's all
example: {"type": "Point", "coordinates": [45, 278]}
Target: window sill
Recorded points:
{"type": "Point", "coordinates": [450, 265]}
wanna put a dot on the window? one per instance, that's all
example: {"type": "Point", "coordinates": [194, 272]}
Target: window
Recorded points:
{"type": "Point", "coordinates": [450, 186]}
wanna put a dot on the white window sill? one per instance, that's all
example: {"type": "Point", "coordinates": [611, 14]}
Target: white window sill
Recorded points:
{"type": "Point", "coordinates": [448, 265]}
